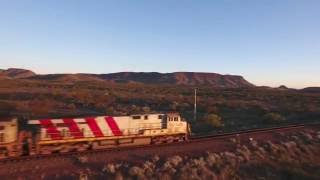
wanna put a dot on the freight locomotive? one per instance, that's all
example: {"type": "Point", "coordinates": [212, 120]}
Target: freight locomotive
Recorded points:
{"type": "Point", "coordinates": [80, 134]}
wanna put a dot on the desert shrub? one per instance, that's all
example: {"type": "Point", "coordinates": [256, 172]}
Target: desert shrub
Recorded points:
{"type": "Point", "coordinates": [110, 168]}
{"type": "Point", "coordinates": [273, 117]}
{"type": "Point", "coordinates": [110, 110]}
{"type": "Point", "coordinates": [82, 159]}
{"type": "Point", "coordinates": [136, 171]}
{"type": "Point", "coordinates": [214, 120]}
{"type": "Point", "coordinates": [175, 160]}
{"type": "Point", "coordinates": [146, 109]}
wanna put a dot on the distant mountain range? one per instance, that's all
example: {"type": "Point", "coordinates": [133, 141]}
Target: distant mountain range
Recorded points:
{"type": "Point", "coordinates": [311, 89]}
{"type": "Point", "coordinates": [177, 78]}
{"type": "Point", "coordinates": [180, 78]}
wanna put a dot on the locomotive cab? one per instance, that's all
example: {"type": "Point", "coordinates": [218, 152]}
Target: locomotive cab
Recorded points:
{"type": "Point", "coordinates": [173, 117]}
{"type": "Point", "coordinates": [176, 124]}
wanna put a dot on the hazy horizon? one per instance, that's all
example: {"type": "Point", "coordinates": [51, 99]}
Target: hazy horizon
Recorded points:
{"type": "Point", "coordinates": [269, 43]}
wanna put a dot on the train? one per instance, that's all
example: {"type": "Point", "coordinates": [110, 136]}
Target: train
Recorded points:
{"type": "Point", "coordinates": [81, 134]}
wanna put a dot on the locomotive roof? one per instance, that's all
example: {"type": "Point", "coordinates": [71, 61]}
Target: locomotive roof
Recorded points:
{"type": "Point", "coordinates": [144, 114]}
{"type": "Point", "coordinates": [81, 117]}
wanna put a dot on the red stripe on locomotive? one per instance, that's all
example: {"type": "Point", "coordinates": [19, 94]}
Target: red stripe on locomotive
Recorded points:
{"type": "Point", "coordinates": [73, 128]}
{"type": "Point", "coordinates": [94, 127]}
{"type": "Point", "coordinates": [113, 126]}
{"type": "Point", "coordinates": [51, 129]}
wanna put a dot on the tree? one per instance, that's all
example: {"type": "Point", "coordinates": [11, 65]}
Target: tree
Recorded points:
{"type": "Point", "coordinates": [214, 120]}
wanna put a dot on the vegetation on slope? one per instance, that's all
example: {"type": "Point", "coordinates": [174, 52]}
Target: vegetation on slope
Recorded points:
{"type": "Point", "coordinates": [235, 108]}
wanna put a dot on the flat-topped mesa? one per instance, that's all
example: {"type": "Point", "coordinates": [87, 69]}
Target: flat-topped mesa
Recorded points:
{"type": "Point", "coordinates": [175, 78]}
{"type": "Point", "coordinates": [180, 78]}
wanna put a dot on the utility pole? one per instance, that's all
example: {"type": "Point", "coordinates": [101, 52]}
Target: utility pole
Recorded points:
{"type": "Point", "coordinates": [195, 105]}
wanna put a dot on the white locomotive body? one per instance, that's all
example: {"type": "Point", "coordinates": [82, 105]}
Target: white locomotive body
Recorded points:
{"type": "Point", "coordinates": [68, 134]}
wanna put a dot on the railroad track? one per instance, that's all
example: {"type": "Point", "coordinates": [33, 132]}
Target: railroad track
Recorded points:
{"type": "Point", "coordinates": [192, 139]}
{"type": "Point", "coordinates": [252, 131]}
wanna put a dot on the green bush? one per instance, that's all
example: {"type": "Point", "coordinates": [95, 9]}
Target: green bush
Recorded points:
{"type": "Point", "coordinates": [214, 120]}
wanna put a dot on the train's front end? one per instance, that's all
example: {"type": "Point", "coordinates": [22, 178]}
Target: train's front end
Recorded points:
{"type": "Point", "coordinates": [177, 125]}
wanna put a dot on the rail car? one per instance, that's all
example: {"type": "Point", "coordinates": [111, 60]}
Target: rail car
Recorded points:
{"type": "Point", "coordinates": [80, 134]}
{"type": "Point", "coordinates": [8, 136]}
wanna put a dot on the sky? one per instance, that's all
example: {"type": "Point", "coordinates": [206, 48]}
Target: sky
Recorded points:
{"type": "Point", "coordinates": [269, 42]}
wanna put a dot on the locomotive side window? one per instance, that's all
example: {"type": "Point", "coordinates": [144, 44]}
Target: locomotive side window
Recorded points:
{"type": "Point", "coordinates": [67, 133]}
{"type": "Point", "coordinates": [145, 117]}
{"type": "Point", "coordinates": [136, 117]}
{"type": "Point", "coordinates": [63, 132]}
{"type": "Point", "coordinates": [175, 118]}
{"type": "Point", "coordinates": [160, 116]}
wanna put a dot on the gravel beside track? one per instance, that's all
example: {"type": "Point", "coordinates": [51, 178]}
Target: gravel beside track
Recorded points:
{"type": "Point", "coordinates": [34, 167]}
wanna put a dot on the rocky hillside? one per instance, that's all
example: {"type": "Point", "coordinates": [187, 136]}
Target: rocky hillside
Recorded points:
{"type": "Point", "coordinates": [16, 73]}
{"type": "Point", "coordinates": [180, 78]}
{"type": "Point", "coordinates": [176, 78]}
{"type": "Point", "coordinates": [68, 77]}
